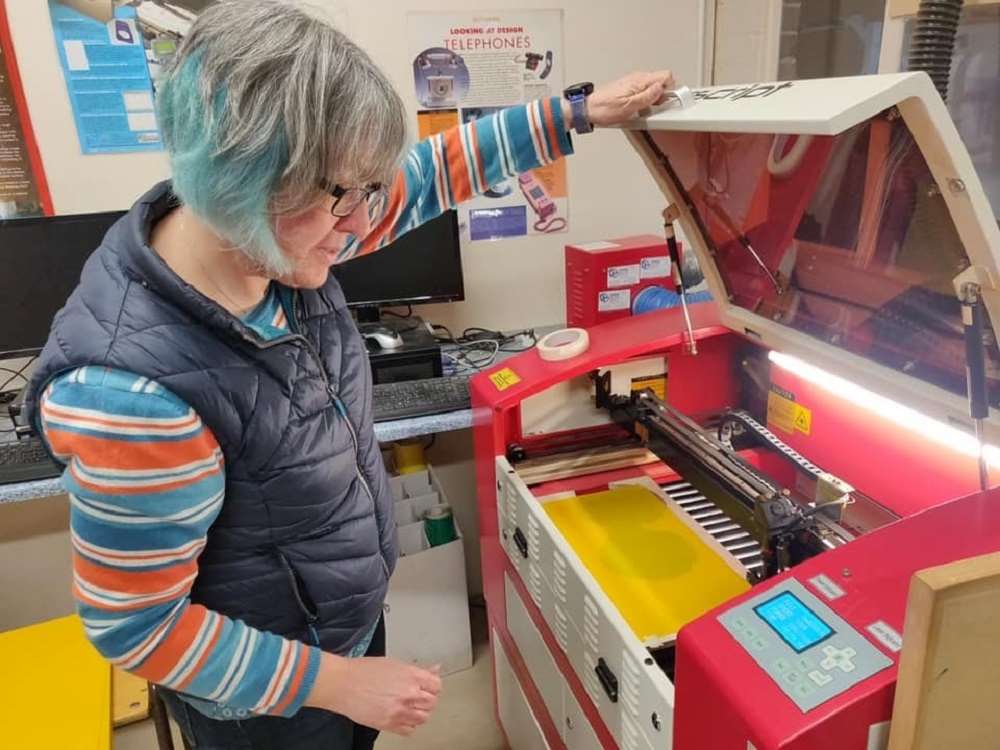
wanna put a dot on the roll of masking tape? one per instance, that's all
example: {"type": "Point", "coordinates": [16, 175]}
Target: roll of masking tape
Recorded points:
{"type": "Point", "coordinates": [563, 344]}
{"type": "Point", "coordinates": [681, 95]}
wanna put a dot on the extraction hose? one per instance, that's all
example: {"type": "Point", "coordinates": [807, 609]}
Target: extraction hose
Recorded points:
{"type": "Point", "coordinates": [933, 40]}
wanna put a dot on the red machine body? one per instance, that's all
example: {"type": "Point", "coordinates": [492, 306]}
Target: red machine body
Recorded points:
{"type": "Point", "coordinates": [841, 434]}
{"type": "Point", "coordinates": [808, 206]}
{"type": "Point", "coordinates": [717, 678]}
{"type": "Point", "coordinates": [603, 278]}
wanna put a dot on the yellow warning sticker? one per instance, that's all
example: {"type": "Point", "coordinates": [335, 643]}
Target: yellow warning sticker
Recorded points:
{"type": "Point", "coordinates": [787, 415]}
{"type": "Point", "coordinates": [504, 379]}
{"type": "Point", "coordinates": [656, 383]}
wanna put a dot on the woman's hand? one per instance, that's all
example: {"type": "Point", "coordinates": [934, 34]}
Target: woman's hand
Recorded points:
{"type": "Point", "coordinates": [376, 692]}
{"type": "Point", "coordinates": [618, 102]}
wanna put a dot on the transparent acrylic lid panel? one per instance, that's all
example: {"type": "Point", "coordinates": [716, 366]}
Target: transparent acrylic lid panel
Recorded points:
{"type": "Point", "coordinates": [845, 238]}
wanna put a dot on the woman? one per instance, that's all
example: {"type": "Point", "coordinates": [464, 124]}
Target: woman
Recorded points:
{"type": "Point", "coordinates": [210, 394]}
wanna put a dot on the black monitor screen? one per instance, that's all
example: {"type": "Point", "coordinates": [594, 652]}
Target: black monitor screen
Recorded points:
{"type": "Point", "coordinates": [42, 261]}
{"type": "Point", "coordinates": [424, 265]}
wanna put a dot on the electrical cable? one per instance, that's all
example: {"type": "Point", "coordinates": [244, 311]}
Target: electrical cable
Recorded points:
{"type": "Point", "coordinates": [554, 224]}
{"type": "Point", "coordinates": [404, 316]}
{"type": "Point", "coordinates": [14, 374]}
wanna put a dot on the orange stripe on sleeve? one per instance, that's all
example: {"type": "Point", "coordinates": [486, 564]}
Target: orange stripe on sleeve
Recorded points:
{"type": "Point", "coordinates": [457, 167]}
{"type": "Point", "coordinates": [126, 455]}
{"type": "Point", "coordinates": [144, 489]}
{"type": "Point", "coordinates": [296, 682]}
{"type": "Point", "coordinates": [136, 583]}
{"type": "Point", "coordinates": [212, 640]}
{"type": "Point", "coordinates": [163, 659]}
{"type": "Point", "coordinates": [474, 144]}
{"type": "Point", "coordinates": [550, 127]}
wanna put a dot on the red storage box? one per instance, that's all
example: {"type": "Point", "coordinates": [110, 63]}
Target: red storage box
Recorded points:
{"type": "Point", "coordinates": [603, 278]}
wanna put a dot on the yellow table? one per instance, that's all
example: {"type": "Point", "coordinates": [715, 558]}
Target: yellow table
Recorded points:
{"type": "Point", "coordinates": [656, 569]}
{"type": "Point", "coordinates": [56, 689]}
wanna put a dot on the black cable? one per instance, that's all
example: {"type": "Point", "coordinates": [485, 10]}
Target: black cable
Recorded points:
{"type": "Point", "coordinates": [16, 373]}
{"type": "Point", "coordinates": [408, 314]}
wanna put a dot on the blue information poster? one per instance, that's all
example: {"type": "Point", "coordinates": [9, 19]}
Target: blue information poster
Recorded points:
{"type": "Point", "coordinates": [104, 64]}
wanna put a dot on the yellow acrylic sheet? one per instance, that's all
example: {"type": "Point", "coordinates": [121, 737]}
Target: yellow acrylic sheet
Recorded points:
{"type": "Point", "coordinates": [653, 567]}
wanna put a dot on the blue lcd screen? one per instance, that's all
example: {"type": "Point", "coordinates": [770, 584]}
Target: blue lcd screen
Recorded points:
{"type": "Point", "coordinates": [797, 625]}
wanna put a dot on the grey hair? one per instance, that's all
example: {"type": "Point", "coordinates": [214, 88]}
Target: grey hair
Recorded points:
{"type": "Point", "coordinates": [272, 92]}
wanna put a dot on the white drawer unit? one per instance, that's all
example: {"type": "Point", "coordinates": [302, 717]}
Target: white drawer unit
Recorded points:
{"type": "Point", "coordinates": [631, 693]}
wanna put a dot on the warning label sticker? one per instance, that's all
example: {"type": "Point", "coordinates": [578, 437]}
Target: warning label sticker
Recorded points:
{"type": "Point", "coordinates": [504, 379]}
{"type": "Point", "coordinates": [656, 383]}
{"type": "Point", "coordinates": [784, 413]}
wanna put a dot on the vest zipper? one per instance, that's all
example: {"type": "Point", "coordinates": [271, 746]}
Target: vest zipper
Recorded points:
{"type": "Point", "coordinates": [311, 617]}
{"type": "Point", "coordinates": [342, 411]}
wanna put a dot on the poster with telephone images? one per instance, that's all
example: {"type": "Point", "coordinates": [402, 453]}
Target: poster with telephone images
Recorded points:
{"type": "Point", "coordinates": [23, 190]}
{"type": "Point", "coordinates": [471, 65]}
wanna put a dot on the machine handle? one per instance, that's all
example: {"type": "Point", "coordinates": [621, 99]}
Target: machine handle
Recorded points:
{"type": "Point", "coordinates": [608, 680]}
{"type": "Point", "coordinates": [521, 542]}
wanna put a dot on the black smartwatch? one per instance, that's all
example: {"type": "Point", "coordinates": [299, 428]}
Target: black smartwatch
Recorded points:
{"type": "Point", "coordinates": [577, 96]}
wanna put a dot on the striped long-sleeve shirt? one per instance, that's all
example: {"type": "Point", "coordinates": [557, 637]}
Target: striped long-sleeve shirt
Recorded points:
{"type": "Point", "coordinates": [146, 478]}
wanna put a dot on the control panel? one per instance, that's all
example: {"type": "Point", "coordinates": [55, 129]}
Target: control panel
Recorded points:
{"type": "Point", "coordinates": [807, 649]}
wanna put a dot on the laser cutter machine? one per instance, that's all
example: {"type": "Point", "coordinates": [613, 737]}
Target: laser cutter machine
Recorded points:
{"type": "Point", "coordinates": [699, 532]}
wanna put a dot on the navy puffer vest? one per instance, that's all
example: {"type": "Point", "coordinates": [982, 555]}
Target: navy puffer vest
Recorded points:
{"type": "Point", "coordinates": [305, 541]}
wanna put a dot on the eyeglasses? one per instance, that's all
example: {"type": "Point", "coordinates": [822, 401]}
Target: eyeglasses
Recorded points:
{"type": "Point", "coordinates": [346, 200]}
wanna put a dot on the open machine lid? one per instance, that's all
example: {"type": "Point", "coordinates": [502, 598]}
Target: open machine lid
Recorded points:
{"type": "Point", "coordinates": [836, 220]}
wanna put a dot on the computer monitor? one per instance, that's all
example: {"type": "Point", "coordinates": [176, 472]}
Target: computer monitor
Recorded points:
{"type": "Point", "coordinates": [424, 265]}
{"type": "Point", "coordinates": [41, 263]}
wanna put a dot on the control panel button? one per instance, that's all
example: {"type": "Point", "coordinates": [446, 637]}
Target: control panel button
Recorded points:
{"type": "Point", "coordinates": [793, 678]}
{"type": "Point", "coordinates": [831, 650]}
{"type": "Point", "coordinates": [803, 690]}
{"type": "Point", "coordinates": [846, 666]}
{"type": "Point", "coordinates": [758, 644]}
{"type": "Point", "coordinates": [782, 666]}
{"type": "Point", "coordinates": [828, 663]}
{"type": "Point", "coordinates": [740, 623]}
{"type": "Point", "coordinates": [849, 652]}
{"type": "Point", "coordinates": [804, 664]}
{"type": "Point", "coordinates": [820, 678]}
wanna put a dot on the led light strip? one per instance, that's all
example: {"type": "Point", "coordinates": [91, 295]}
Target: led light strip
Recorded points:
{"type": "Point", "coordinates": [907, 418]}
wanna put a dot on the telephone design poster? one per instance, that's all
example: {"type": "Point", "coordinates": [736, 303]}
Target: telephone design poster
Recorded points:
{"type": "Point", "coordinates": [467, 66]}
{"type": "Point", "coordinates": [104, 64]}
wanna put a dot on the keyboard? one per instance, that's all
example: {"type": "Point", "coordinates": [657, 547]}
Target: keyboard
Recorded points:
{"type": "Point", "coordinates": [26, 461]}
{"type": "Point", "coordinates": [420, 398]}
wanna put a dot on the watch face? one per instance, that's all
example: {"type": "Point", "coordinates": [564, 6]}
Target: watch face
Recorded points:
{"type": "Point", "coordinates": [578, 89]}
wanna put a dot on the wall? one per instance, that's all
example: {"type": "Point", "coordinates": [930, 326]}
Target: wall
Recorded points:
{"type": "Point", "coordinates": [509, 284]}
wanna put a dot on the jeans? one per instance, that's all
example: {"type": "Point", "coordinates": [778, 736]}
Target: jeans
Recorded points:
{"type": "Point", "coordinates": [309, 729]}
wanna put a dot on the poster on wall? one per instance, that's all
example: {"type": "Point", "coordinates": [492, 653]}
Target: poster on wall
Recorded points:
{"type": "Point", "coordinates": [471, 65]}
{"type": "Point", "coordinates": [103, 58]}
{"type": "Point", "coordinates": [23, 190]}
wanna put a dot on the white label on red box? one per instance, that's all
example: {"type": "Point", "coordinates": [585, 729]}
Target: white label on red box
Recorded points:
{"type": "Point", "coordinates": [593, 246]}
{"type": "Point", "coordinates": [887, 635]}
{"type": "Point", "coordinates": [614, 299]}
{"type": "Point", "coordinates": [623, 275]}
{"type": "Point", "coordinates": [654, 268]}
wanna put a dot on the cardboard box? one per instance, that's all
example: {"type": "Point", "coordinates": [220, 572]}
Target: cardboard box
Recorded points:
{"type": "Point", "coordinates": [427, 606]}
